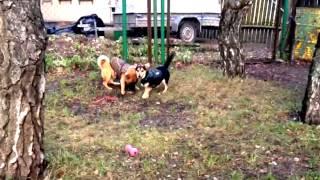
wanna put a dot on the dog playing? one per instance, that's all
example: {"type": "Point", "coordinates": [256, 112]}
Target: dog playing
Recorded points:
{"type": "Point", "coordinates": [117, 68]}
{"type": "Point", "coordinates": [153, 77]}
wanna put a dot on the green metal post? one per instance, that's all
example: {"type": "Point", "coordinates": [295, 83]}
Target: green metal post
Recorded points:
{"type": "Point", "coordinates": [284, 30]}
{"type": "Point", "coordinates": [163, 50]}
{"type": "Point", "coordinates": [124, 31]}
{"type": "Point", "coordinates": [155, 28]}
{"type": "Point", "coordinates": [149, 31]}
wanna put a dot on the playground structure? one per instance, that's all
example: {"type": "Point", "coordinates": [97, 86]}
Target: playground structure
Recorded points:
{"type": "Point", "coordinates": [268, 22]}
{"type": "Point", "coordinates": [149, 29]}
{"type": "Point", "coordinates": [262, 24]}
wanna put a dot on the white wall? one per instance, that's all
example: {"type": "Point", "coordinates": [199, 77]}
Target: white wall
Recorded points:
{"type": "Point", "coordinates": [58, 11]}
{"type": "Point", "coordinates": [177, 6]}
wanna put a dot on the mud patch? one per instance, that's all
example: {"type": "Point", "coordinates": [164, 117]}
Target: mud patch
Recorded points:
{"type": "Point", "coordinates": [88, 113]}
{"type": "Point", "coordinates": [287, 167]}
{"type": "Point", "coordinates": [282, 168]}
{"type": "Point", "coordinates": [169, 115]}
{"type": "Point", "coordinates": [291, 76]}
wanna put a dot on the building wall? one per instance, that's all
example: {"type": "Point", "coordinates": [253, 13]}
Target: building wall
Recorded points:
{"type": "Point", "coordinates": [72, 10]}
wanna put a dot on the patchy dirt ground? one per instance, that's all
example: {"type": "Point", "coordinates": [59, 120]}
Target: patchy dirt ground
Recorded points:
{"type": "Point", "coordinates": [205, 127]}
{"type": "Point", "coordinates": [288, 75]}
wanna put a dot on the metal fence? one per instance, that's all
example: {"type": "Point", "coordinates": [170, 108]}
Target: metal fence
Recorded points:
{"type": "Point", "coordinates": [258, 25]}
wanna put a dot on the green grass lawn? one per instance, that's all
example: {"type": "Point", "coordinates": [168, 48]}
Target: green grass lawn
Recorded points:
{"type": "Point", "coordinates": [206, 126]}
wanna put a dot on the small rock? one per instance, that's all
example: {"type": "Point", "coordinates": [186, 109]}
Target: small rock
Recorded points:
{"type": "Point", "coordinates": [96, 172]}
{"type": "Point", "coordinates": [178, 65]}
{"type": "Point", "coordinates": [263, 170]}
{"type": "Point", "coordinates": [274, 163]}
{"type": "Point", "coordinates": [296, 159]}
{"type": "Point", "coordinates": [268, 152]}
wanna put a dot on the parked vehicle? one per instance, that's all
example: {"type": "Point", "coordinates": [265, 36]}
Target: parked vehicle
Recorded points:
{"type": "Point", "coordinates": [85, 25]}
{"type": "Point", "coordinates": [188, 17]}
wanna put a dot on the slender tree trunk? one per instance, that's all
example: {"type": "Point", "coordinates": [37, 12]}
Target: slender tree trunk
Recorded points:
{"type": "Point", "coordinates": [311, 103]}
{"type": "Point", "coordinates": [229, 37]}
{"type": "Point", "coordinates": [22, 86]}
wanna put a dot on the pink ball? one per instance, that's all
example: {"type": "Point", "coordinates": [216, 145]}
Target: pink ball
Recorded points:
{"type": "Point", "coordinates": [133, 152]}
{"type": "Point", "coordinates": [127, 147]}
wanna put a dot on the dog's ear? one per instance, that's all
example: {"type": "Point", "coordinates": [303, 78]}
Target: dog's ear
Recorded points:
{"type": "Point", "coordinates": [135, 65]}
{"type": "Point", "coordinates": [147, 65]}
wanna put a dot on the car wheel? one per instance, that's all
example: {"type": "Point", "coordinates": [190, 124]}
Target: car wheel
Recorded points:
{"type": "Point", "coordinates": [188, 32]}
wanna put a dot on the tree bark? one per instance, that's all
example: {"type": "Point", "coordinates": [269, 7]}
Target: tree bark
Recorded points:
{"type": "Point", "coordinates": [229, 37]}
{"type": "Point", "coordinates": [22, 87]}
{"type": "Point", "coordinates": [311, 103]}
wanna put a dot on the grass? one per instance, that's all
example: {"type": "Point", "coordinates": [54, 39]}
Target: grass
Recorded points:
{"type": "Point", "coordinates": [206, 126]}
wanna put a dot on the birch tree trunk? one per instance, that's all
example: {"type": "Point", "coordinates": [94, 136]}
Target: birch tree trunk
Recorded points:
{"type": "Point", "coordinates": [229, 37]}
{"type": "Point", "coordinates": [311, 102]}
{"type": "Point", "coordinates": [22, 86]}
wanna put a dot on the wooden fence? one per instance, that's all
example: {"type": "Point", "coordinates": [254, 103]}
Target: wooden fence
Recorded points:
{"type": "Point", "coordinates": [258, 25]}
{"type": "Point", "coordinates": [308, 3]}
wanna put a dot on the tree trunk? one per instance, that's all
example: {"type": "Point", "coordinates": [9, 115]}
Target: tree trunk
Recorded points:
{"type": "Point", "coordinates": [311, 103]}
{"type": "Point", "coordinates": [229, 37]}
{"type": "Point", "coordinates": [22, 86]}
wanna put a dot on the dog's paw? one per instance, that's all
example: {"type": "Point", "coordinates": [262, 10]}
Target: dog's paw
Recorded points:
{"type": "Point", "coordinates": [123, 92]}
{"type": "Point", "coordinates": [145, 96]}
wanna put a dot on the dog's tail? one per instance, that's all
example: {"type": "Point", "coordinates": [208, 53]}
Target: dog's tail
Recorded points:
{"type": "Point", "coordinates": [169, 60]}
{"type": "Point", "coordinates": [101, 60]}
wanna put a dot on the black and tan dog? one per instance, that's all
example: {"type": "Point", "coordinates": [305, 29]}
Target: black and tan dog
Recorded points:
{"type": "Point", "coordinates": [117, 68]}
{"type": "Point", "coordinates": [153, 77]}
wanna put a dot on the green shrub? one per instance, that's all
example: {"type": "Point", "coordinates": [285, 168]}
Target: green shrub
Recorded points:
{"type": "Point", "coordinates": [94, 75]}
{"type": "Point", "coordinates": [71, 63]}
{"type": "Point", "coordinates": [50, 61]}
{"type": "Point", "coordinates": [184, 54]}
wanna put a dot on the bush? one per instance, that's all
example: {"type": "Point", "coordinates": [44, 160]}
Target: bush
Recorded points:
{"type": "Point", "coordinates": [49, 62]}
{"type": "Point", "coordinates": [94, 75]}
{"type": "Point", "coordinates": [184, 54]}
{"type": "Point", "coordinates": [70, 63]}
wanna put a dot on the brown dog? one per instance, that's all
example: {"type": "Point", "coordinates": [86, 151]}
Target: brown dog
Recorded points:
{"type": "Point", "coordinates": [117, 68]}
